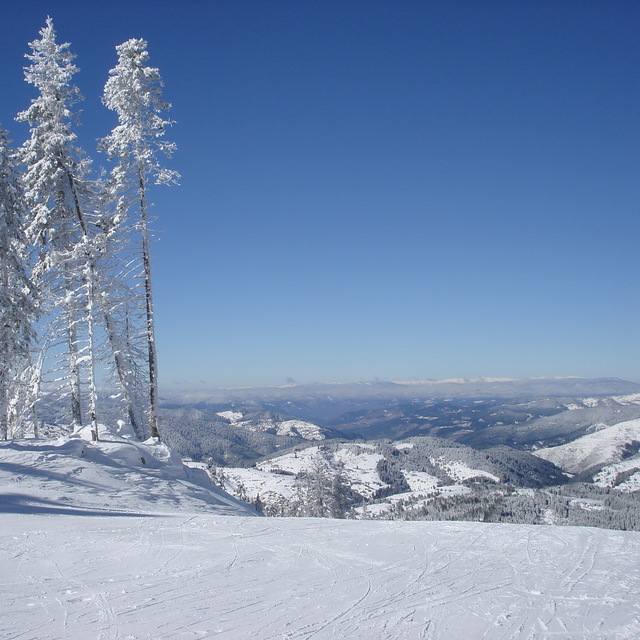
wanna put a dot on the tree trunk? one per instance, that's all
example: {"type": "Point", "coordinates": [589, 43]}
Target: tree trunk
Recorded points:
{"type": "Point", "coordinates": [74, 372]}
{"type": "Point", "coordinates": [151, 341]}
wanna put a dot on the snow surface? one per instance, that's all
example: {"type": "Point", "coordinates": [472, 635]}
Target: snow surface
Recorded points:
{"type": "Point", "coordinates": [96, 544]}
{"type": "Point", "coordinates": [117, 474]}
{"type": "Point", "coordinates": [360, 468]}
{"type": "Point", "coordinates": [605, 446]}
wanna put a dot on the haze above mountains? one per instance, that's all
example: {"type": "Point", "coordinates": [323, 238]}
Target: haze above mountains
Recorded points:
{"type": "Point", "coordinates": [466, 387]}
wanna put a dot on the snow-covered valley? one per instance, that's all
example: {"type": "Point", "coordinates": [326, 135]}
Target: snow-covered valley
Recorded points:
{"type": "Point", "coordinates": [95, 543]}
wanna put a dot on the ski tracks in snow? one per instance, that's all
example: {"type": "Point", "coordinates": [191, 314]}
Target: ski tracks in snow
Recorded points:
{"type": "Point", "coordinates": [188, 577]}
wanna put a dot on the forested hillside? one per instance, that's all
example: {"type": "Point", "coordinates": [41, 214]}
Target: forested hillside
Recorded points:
{"type": "Point", "coordinates": [425, 479]}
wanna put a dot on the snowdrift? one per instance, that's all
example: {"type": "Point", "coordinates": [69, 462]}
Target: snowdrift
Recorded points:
{"type": "Point", "coordinates": [117, 474]}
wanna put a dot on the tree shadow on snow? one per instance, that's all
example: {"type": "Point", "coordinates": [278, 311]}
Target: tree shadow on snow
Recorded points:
{"type": "Point", "coordinates": [17, 470]}
{"type": "Point", "coordinates": [25, 504]}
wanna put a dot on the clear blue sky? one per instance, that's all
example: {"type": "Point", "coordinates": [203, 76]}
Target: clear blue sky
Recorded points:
{"type": "Point", "coordinates": [390, 189]}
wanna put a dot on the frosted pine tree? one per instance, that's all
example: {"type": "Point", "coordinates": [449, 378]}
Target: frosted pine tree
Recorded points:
{"type": "Point", "coordinates": [58, 195]}
{"type": "Point", "coordinates": [117, 267]}
{"type": "Point", "coordinates": [17, 298]}
{"type": "Point", "coordinates": [320, 490]}
{"type": "Point", "coordinates": [134, 92]}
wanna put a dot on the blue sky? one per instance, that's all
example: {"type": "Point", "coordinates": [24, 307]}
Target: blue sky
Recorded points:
{"type": "Point", "coordinates": [393, 190]}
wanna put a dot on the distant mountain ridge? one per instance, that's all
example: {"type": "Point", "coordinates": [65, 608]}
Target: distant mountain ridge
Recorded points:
{"type": "Point", "coordinates": [455, 387]}
{"type": "Point", "coordinates": [523, 414]}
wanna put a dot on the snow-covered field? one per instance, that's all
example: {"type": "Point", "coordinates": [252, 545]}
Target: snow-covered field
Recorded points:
{"type": "Point", "coordinates": [164, 563]}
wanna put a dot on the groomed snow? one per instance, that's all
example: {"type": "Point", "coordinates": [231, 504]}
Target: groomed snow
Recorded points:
{"type": "Point", "coordinates": [96, 544]}
{"type": "Point", "coordinates": [194, 576]}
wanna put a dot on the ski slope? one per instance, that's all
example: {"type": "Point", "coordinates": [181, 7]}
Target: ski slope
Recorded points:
{"type": "Point", "coordinates": [172, 569]}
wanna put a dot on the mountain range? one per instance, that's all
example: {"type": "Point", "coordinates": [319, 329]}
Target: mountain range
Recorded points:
{"type": "Point", "coordinates": [536, 448]}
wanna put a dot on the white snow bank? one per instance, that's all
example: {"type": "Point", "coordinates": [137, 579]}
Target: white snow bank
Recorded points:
{"type": "Point", "coordinates": [117, 473]}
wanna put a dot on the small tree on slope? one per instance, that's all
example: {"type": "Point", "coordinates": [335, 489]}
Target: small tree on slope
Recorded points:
{"type": "Point", "coordinates": [134, 92]}
{"type": "Point", "coordinates": [17, 297]}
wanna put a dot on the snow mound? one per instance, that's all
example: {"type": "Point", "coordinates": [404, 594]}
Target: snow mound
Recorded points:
{"type": "Point", "coordinates": [607, 445]}
{"type": "Point", "coordinates": [116, 474]}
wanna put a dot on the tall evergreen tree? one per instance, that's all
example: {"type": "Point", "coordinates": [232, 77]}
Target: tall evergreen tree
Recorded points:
{"type": "Point", "coordinates": [17, 296]}
{"type": "Point", "coordinates": [58, 195]}
{"type": "Point", "coordinates": [134, 92]}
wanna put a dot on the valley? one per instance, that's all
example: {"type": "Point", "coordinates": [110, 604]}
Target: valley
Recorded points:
{"type": "Point", "coordinates": [391, 450]}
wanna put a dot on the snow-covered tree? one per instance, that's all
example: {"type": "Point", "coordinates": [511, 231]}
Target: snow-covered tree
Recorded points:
{"type": "Point", "coordinates": [320, 490]}
{"type": "Point", "coordinates": [58, 194]}
{"type": "Point", "coordinates": [116, 268]}
{"type": "Point", "coordinates": [17, 297]}
{"type": "Point", "coordinates": [134, 92]}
